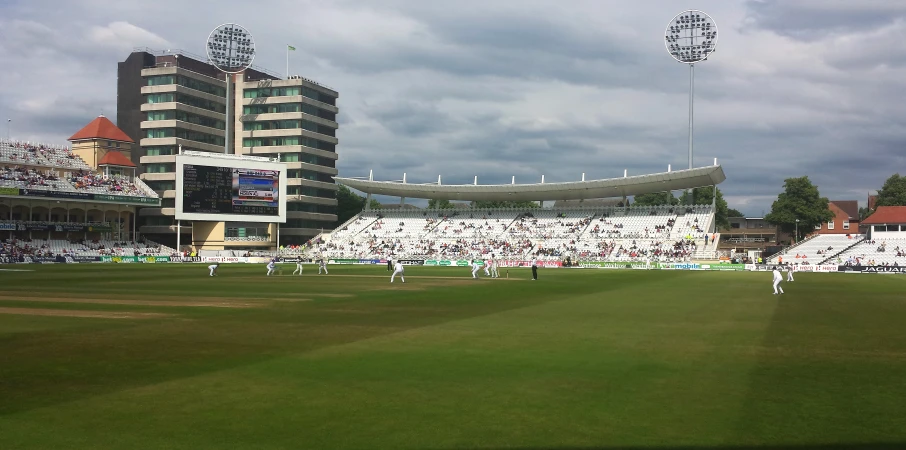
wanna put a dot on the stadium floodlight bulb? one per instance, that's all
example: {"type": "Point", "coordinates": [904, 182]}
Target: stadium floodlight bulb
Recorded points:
{"type": "Point", "coordinates": [691, 37]}
{"type": "Point", "coordinates": [231, 48]}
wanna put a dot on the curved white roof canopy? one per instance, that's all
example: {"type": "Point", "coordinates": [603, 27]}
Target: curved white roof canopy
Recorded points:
{"type": "Point", "coordinates": [572, 190]}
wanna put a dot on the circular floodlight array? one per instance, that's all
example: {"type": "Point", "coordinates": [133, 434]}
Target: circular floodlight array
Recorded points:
{"type": "Point", "coordinates": [231, 48]}
{"type": "Point", "coordinates": [691, 37]}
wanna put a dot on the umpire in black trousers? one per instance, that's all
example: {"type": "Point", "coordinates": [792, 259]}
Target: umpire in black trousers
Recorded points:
{"type": "Point", "coordinates": [534, 270]}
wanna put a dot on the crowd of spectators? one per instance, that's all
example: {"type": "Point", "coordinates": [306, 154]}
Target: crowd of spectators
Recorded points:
{"type": "Point", "coordinates": [39, 154]}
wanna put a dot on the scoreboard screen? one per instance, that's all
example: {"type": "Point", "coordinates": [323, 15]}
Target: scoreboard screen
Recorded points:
{"type": "Point", "coordinates": [227, 190]}
{"type": "Point", "coordinates": [208, 189]}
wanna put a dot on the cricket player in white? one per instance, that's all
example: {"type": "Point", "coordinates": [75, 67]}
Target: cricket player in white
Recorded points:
{"type": "Point", "coordinates": [789, 273]}
{"type": "Point", "coordinates": [777, 279]}
{"type": "Point", "coordinates": [322, 265]}
{"type": "Point", "coordinates": [398, 269]}
{"type": "Point", "coordinates": [494, 273]}
{"type": "Point", "coordinates": [271, 266]}
{"type": "Point", "coordinates": [487, 268]}
{"type": "Point", "coordinates": [213, 269]}
{"type": "Point", "coordinates": [647, 263]}
{"type": "Point", "coordinates": [298, 267]}
{"type": "Point", "coordinates": [475, 268]}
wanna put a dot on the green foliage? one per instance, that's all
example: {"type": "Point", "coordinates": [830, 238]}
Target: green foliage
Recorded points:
{"type": "Point", "coordinates": [487, 204]}
{"type": "Point", "coordinates": [864, 212]}
{"type": "Point", "coordinates": [439, 204]}
{"type": "Point", "coordinates": [704, 196]}
{"type": "Point", "coordinates": [349, 204]}
{"type": "Point", "coordinates": [734, 212]}
{"type": "Point", "coordinates": [655, 199]}
{"type": "Point", "coordinates": [893, 193]}
{"type": "Point", "coordinates": [799, 200]}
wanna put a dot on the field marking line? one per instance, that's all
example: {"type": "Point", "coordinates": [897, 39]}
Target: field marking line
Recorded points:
{"type": "Point", "coordinates": [213, 304]}
{"type": "Point", "coordinates": [86, 314]}
{"type": "Point", "coordinates": [16, 270]}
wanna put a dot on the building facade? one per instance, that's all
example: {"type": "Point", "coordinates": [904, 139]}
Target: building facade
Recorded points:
{"type": "Point", "coordinates": [846, 218]}
{"type": "Point", "coordinates": [181, 102]}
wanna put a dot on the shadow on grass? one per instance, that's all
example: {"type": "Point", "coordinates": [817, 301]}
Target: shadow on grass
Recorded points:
{"type": "Point", "coordinates": [830, 368]}
{"type": "Point", "coordinates": [891, 446]}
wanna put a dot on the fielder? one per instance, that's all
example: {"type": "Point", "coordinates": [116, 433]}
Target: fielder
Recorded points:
{"type": "Point", "coordinates": [298, 267]}
{"type": "Point", "coordinates": [213, 269]}
{"type": "Point", "coordinates": [475, 268]}
{"type": "Point", "coordinates": [322, 265]}
{"type": "Point", "coordinates": [398, 269]}
{"type": "Point", "coordinates": [777, 279]}
{"type": "Point", "coordinates": [494, 273]}
{"type": "Point", "coordinates": [487, 268]}
{"type": "Point", "coordinates": [789, 273]}
{"type": "Point", "coordinates": [271, 267]}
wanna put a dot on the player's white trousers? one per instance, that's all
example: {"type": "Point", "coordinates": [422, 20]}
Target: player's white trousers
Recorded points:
{"type": "Point", "coordinates": [475, 273]}
{"type": "Point", "coordinates": [777, 286]}
{"type": "Point", "coordinates": [298, 269]}
{"type": "Point", "coordinates": [395, 272]}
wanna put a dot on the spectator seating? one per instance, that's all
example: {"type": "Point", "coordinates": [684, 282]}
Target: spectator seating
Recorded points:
{"type": "Point", "coordinates": [37, 154]}
{"type": "Point", "coordinates": [54, 247]}
{"type": "Point", "coordinates": [876, 252]}
{"type": "Point", "coordinates": [816, 249]}
{"type": "Point", "coordinates": [603, 233]}
{"type": "Point", "coordinates": [45, 167]}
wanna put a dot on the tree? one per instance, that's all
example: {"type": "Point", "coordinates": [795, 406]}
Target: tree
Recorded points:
{"type": "Point", "coordinates": [864, 212]}
{"type": "Point", "coordinates": [799, 200]}
{"type": "Point", "coordinates": [349, 204]}
{"type": "Point", "coordinates": [439, 204]}
{"type": "Point", "coordinates": [655, 199]}
{"type": "Point", "coordinates": [734, 212]}
{"type": "Point", "coordinates": [488, 204]}
{"type": "Point", "coordinates": [893, 193]}
{"type": "Point", "coordinates": [704, 196]}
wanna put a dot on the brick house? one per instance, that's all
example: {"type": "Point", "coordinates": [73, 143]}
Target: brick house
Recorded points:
{"type": "Point", "coordinates": [846, 218]}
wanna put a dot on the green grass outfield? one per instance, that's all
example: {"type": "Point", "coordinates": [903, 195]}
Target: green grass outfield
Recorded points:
{"type": "Point", "coordinates": [146, 356]}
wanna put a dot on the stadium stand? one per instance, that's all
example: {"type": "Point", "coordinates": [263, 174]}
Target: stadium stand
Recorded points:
{"type": "Point", "coordinates": [816, 249]}
{"type": "Point", "coordinates": [54, 247]}
{"type": "Point", "coordinates": [44, 167]}
{"type": "Point", "coordinates": [608, 233]}
{"type": "Point", "coordinates": [871, 252]}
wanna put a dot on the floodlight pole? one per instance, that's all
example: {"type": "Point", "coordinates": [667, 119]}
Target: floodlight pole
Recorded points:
{"type": "Point", "coordinates": [229, 98]}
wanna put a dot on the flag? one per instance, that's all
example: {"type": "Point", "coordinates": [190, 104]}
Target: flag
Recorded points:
{"type": "Point", "coordinates": [290, 47]}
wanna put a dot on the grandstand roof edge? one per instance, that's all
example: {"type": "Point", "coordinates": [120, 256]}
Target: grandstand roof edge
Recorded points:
{"type": "Point", "coordinates": [571, 190]}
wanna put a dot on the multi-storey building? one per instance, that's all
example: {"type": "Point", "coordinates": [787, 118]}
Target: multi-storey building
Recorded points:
{"type": "Point", "coordinates": [182, 103]}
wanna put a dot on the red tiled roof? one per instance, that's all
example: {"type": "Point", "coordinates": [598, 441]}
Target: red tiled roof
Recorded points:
{"type": "Point", "coordinates": [101, 128]}
{"type": "Point", "coordinates": [850, 207]}
{"type": "Point", "coordinates": [115, 158]}
{"type": "Point", "coordinates": [887, 215]}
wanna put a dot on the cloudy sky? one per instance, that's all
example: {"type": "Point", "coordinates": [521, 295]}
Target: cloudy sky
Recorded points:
{"type": "Point", "coordinates": [519, 87]}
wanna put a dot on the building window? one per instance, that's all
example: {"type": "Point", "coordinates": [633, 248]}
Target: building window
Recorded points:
{"type": "Point", "coordinates": [830, 225]}
{"type": "Point", "coordinates": [159, 167]}
{"type": "Point", "coordinates": [818, 227]}
{"type": "Point", "coordinates": [158, 151]}
{"type": "Point", "coordinates": [160, 186]}
{"type": "Point", "coordinates": [846, 225]}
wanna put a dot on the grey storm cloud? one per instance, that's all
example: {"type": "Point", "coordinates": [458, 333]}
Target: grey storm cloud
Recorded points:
{"type": "Point", "coordinates": [520, 88]}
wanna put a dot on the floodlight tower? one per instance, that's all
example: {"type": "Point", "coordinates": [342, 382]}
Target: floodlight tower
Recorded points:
{"type": "Point", "coordinates": [231, 49]}
{"type": "Point", "coordinates": [690, 38]}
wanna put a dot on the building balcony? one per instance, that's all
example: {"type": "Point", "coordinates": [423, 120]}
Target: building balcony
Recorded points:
{"type": "Point", "coordinates": [169, 88]}
{"type": "Point", "coordinates": [289, 116]}
{"type": "Point", "coordinates": [170, 106]}
{"type": "Point", "coordinates": [313, 200]}
{"type": "Point", "coordinates": [311, 216]}
{"type": "Point", "coordinates": [174, 141]}
{"type": "Point", "coordinates": [275, 149]}
{"type": "Point", "coordinates": [165, 176]}
{"type": "Point", "coordinates": [289, 132]}
{"type": "Point", "coordinates": [289, 99]}
{"type": "Point", "coordinates": [311, 183]}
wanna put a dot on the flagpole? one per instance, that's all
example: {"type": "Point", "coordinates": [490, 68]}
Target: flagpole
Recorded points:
{"type": "Point", "coordinates": [287, 61]}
